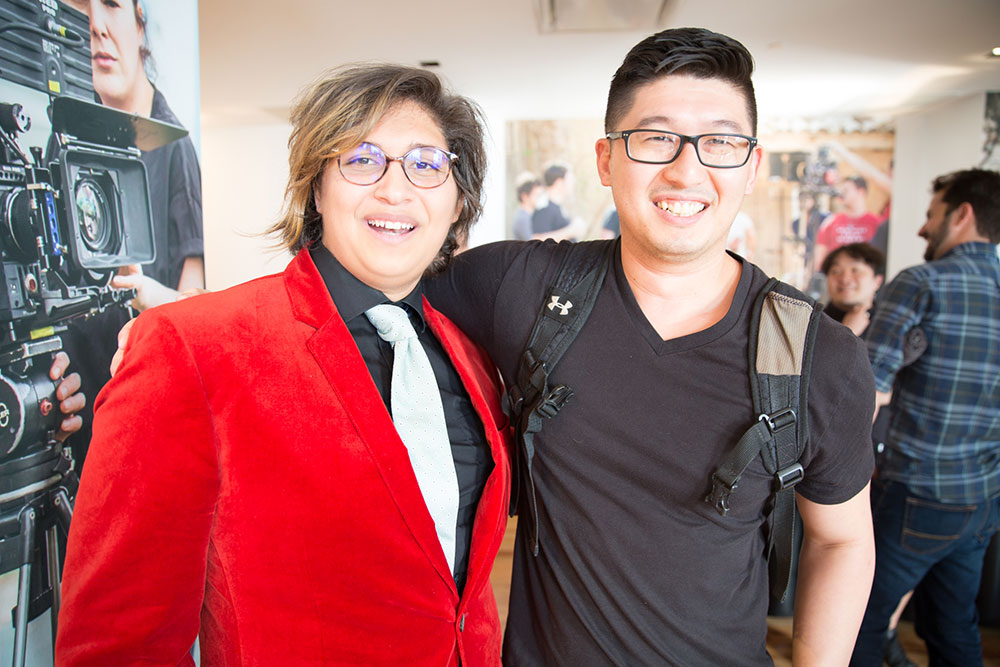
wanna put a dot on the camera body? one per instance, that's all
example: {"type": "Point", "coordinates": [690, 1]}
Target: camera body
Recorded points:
{"type": "Point", "coordinates": [71, 213]}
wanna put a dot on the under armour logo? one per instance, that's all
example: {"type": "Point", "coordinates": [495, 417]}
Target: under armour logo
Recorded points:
{"type": "Point", "coordinates": [563, 307]}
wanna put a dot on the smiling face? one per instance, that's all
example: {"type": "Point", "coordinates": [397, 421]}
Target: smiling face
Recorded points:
{"type": "Point", "coordinates": [115, 41]}
{"type": "Point", "coordinates": [681, 211]}
{"type": "Point", "coordinates": [387, 233]}
{"type": "Point", "coordinates": [851, 283]}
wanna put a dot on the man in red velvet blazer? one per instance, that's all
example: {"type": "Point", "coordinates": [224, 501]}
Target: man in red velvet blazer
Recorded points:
{"type": "Point", "coordinates": [246, 481]}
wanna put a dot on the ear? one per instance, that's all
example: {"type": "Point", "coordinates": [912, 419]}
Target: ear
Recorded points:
{"type": "Point", "coordinates": [317, 189]}
{"type": "Point", "coordinates": [963, 218]}
{"type": "Point", "coordinates": [603, 150]}
{"type": "Point", "coordinates": [878, 282]}
{"type": "Point", "coordinates": [756, 158]}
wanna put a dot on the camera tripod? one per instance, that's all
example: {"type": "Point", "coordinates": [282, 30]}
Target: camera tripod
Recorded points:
{"type": "Point", "coordinates": [35, 492]}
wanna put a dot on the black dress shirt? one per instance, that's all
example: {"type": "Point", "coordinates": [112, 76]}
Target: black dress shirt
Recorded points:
{"type": "Point", "coordinates": [473, 460]}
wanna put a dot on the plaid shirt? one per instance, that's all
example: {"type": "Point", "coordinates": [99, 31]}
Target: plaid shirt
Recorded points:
{"type": "Point", "coordinates": [944, 437]}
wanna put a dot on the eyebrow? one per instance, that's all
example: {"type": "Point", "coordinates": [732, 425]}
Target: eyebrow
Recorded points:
{"type": "Point", "coordinates": [720, 124]}
{"type": "Point", "coordinates": [412, 146]}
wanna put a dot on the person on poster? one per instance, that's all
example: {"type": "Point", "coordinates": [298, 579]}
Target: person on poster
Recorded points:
{"type": "Point", "coordinates": [529, 194]}
{"type": "Point", "coordinates": [552, 220]}
{"type": "Point", "coordinates": [855, 224]}
{"type": "Point", "coordinates": [121, 60]}
{"type": "Point", "coordinates": [256, 447]}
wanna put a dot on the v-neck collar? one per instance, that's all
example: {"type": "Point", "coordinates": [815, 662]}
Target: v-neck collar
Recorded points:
{"type": "Point", "coordinates": [683, 343]}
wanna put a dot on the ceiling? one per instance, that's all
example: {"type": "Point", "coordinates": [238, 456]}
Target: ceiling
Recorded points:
{"type": "Point", "coordinates": [816, 60]}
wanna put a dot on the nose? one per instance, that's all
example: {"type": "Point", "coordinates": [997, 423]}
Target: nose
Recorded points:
{"type": "Point", "coordinates": [98, 20]}
{"type": "Point", "coordinates": [686, 168]}
{"type": "Point", "coordinates": [394, 187]}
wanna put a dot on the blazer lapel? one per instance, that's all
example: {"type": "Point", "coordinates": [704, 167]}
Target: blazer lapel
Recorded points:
{"type": "Point", "coordinates": [338, 357]}
{"type": "Point", "coordinates": [477, 373]}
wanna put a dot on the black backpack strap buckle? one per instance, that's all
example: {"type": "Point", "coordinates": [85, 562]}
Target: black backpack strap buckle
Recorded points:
{"type": "Point", "coordinates": [553, 402]}
{"type": "Point", "coordinates": [790, 476]}
{"type": "Point", "coordinates": [719, 495]}
{"type": "Point", "coordinates": [780, 420]}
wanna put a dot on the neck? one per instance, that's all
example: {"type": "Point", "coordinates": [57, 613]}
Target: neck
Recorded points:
{"type": "Point", "coordinates": [396, 294]}
{"type": "Point", "coordinates": [855, 307]}
{"type": "Point", "coordinates": [139, 99]}
{"type": "Point", "coordinates": [683, 297]}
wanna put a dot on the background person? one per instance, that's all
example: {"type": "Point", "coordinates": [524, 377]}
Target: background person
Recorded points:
{"type": "Point", "coordinates": [279, 463]}
{"type": "Point", "coordinates": [854, 274]}
{"type": "Point", "coordinates": [936, 500]}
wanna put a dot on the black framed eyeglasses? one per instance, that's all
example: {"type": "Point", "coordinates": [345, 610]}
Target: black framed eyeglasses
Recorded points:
{"type": "Point", "coordinates": [721, 151]}
{"type": "Point", "coordinates": [424, 166]}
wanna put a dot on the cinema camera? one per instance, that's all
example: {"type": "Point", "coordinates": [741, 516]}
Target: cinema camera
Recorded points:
{"type": "Point", "coordinates": [70, 216]}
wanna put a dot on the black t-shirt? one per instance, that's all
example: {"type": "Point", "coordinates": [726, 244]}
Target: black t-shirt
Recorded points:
{"type": "Point", "coordinates": [635, 568]}
{"type": "Point", "coordinates": [547, 219]}
{"type": "Point", "coordinates": [175, 197]}
{"type": "Point", "coordinates": [880, 428]}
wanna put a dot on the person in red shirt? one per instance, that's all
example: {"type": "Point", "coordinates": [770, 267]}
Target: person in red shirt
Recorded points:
{"type": "Point", "coordinates": [855, 224]}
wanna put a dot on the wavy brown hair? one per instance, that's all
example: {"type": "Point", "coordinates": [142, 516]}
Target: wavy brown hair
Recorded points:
{"type": "Point", "coordinates": [340, 108]}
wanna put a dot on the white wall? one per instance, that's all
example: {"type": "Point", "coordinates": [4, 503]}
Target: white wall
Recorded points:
{"type": "Point", "coordinates": [929, 143]}
{"type": "Point", "coordinates": [244, 169]}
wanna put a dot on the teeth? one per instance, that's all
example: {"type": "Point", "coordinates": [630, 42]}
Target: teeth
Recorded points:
{"type": "Point", "coordinates": [391, 225]}
{"type": "Point", "coordinates": [681, 209]}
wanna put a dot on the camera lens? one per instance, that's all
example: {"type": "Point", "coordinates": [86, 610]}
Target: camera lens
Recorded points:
{"type": "Point", "coordinates": [93, 215]}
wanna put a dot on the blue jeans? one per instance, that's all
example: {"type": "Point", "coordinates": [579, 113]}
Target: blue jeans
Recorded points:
{"type": "Point", "coordinates": [937, 549]}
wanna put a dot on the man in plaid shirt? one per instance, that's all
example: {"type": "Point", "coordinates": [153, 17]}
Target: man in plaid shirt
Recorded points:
{"type": "Point", "coordinates": [936, 499]}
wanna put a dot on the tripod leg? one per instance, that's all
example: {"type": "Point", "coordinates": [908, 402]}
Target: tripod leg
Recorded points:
{"type": "Point", "coordinates": [64, 509]}
{"type": "Point", "coordinates": [52, 551]}
{"type": "Point", "coordinates": [27, 520]}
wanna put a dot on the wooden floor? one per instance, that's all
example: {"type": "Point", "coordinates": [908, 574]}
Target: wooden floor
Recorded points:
{"type": "Point", "coordinates": [779, 633]}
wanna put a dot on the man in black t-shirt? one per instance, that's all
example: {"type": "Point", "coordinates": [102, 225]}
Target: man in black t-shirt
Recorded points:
{"type": "Point", "coordinates": [634, 567]}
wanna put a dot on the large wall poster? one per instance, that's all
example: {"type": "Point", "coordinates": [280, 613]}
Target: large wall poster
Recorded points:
{"type": "Point", "coordinates": [991, 132]}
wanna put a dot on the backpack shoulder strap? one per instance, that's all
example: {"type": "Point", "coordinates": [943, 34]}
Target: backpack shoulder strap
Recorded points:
{"type": "Point", "coordinates": [564, 311]}
{"type": "Point", "coordinates": [781, 341]}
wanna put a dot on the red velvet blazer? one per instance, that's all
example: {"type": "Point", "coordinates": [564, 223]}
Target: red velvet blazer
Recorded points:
{"type": "Point", "coordinates": [246, 478]}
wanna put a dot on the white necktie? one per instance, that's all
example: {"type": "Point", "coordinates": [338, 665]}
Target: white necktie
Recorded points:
{"type": "Point", "coordinates": [419, 418]}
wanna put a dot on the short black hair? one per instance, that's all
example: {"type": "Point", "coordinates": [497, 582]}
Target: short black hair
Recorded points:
{"type": "Point", "coordinates": [859, 182]}
{"type": "Point", "coordinates": [864, 252]}
{"type": "Point", "coordinates": [980, 188]}
{"type": "Point", "coordinates": [526, 187]}
{"type": "Point", "coordinates": [553, 173]}
{"type": "Point", "coordinates": [682, 51]}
